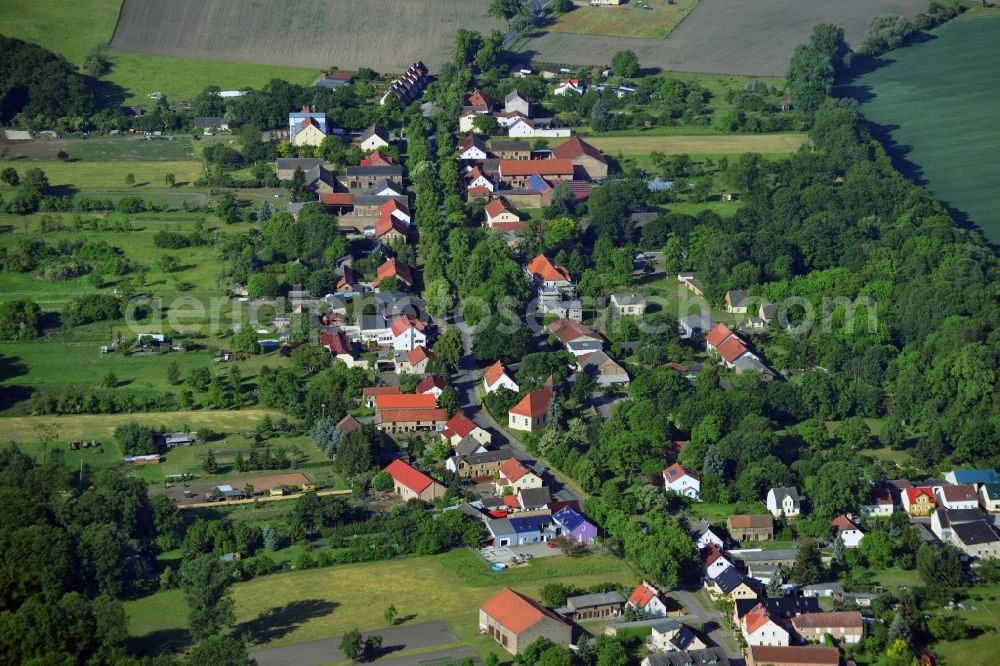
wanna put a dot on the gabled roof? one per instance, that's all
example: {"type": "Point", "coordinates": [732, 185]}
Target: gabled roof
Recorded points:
{"type": "Point", "coordinates": [479, 99]}
{"type": "Point", "coordinates": [731, 349]}
{"type": "Point", "coordinates": [729, 580]}
{"type": "Point", "coordinates": [756, 618]}
{"type": "Point", "coordinates": [709, 554]}
{"type": "Point", "coordinates": [497, 207]}
{"type": "Point", "coordinates": [403, 322]}
{"type": "Point", "coordinates": [431, 382]}
{"type": "Point", "coordinates": [575, 147]}
{"type": "Point", "coordinates": [410, 415]}
{"type": "Point", "coordinates": [751, 522]}
{"type": "Point", "coordinates": [536, 497]}
{"type": "Point", "coordinates": [393, 171]}
{"type": "Point", "coordinates": [504, 146]}
{"type": "Point", "coordinates": [963, 493]}
{"type": "Point", "coordinates": [795, 654]}
{"type": "Point", "coordinates": [407, 476]}
{"type": "Point", "coordinates": [513, 469]}
{"type": "Point", "coordinates": [348, 424]}
{"type": "Point", "coordinates": [460, 425]}
{"type": "Point", "coordinates": [718, 334]}
{"type": "Point", "coordinates": [913, 493]}
{"type": "Point", "coordinates": [393, 268]}
{"type": "Point", "coordinates": [643, 594]}
{"type": "Point", "coordinates": [471, 141]}
{"type": "Point", "coordinates": [392, 206]}
{"type": "Point", "coordinates": [337, 342]}
{"type": "Point", "coordinates": [418, 355]}
{"type": "Point", "coordinates": [568, 518]}
{"type": "Point", "coordinates": [842, 523]}
{"type": "Point", "coordinates": [555, 167]}
{"type": "Point", "coordinates": [374, 130]}
{"type": "Point", "coordinates": [992, 491]}
{"type": "Point", "coordinates": [568, 330]}
{"type": "Point", "coordinates": [381, 390]}
{"type": "Point", "coordinates": [337, 199]}
{"type": "Point", "coordinates": [495, 372]}
{"type": "Point", "coordinates": [846, 619]}
{"type": "Point", "coordinates": [545, 271]}
{"type": "Point", "coordinates": [405, 401]}
{"type": "Point", "coordinates": [511, 501]}
{"type": "Point", "coordinates": [534, 404]}
{"type": "Point", "coordinates": [675, 472]}
{"type": "Point", "coordinates": [601, 363]}
{"type": "Point", "coordinates": [975, 533]}
{"type": "Point", "coordinates": [882, 494]}
{"type": "Point", "coordinates": [516, 612]}
{"type": "Point", "coordinates": [376, 158]}
{"type": "Point", "coordinates": [949, 517]}
{"type": "Point", "coordinates": [976, 476]}
{"type": "Point", "coordinates": [388, 223]}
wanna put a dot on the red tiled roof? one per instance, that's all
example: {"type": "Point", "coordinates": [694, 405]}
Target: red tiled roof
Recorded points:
{"type": "Point", "coordinates": [460, 424]}
{"type": "Point", "coordinates": [405, 475]}
{"type": "Point", "coordinates": [381, 390]}
{"type": "Point", "coordinates": [743, 522]}
{"type": "Point", "coordinates": [403, 322]}
{"type": "Point", "coordinates": [387, 223]}
{"type": "Point", "coordinates": [576, 147]}
{"type": "Point", "coordinates": [543, 269]}
{"type": "Point", "coordinates": [430, 382]}
{"type": "Point", "coordinates": [516, 612]}
{"type": "Point", "coordinates": [709, 554]}
{"type": "Point", "coordinates": [410, 415]}
{"type": "Point", "coordinates": [479, 192]}
{"type": "Point", "coordinates": [337, 199]}
{"type": "Point", "coordinates": [417, 354]}
{"type": "Point", "coordinates": [512, 469]}
{"type": "Point", "coordinates": [568, 330]}
{"type": "Point", "coordinates": [336, 342]}
{"type": "Point", "coordinates": [847, 619]}
{"type": "Point", "coordinates": [554, 167]}
{"type": "Point", "coordinates": [397, 269]}
{"type": "Point", "coordinates": [718, 334]}
{"type": "Point", "coordinates": [843, 523]}
{"type": "Point", "coordinates": [913, 493]}
{"type": "Point", "coordinates": [642, 595]}
{"type": "Point", "coordinates": [405, 401]}
{"type": "Point", "coordinates": [494, 373]}
{"type": "Point", "coordinates": [477, 98]}
{"type": "Point", "coordinates": [376, 158]}
{"type": "Point", "coordinates": [731, 349]}
{"type": "Point", "coordinates": [534, 404]}
{"type": "Point", "coordinates": [795, 654]}
{"type": "Point", "coordinates": [756, 618]}
{"type": "Point", "coordinates": [676, 471]}
{"type": "Point", "coordinates": [348, 424]}
{"type": "Point", "coordinates": [511, 501]}
{"type": "Point", "coordinates": [392, 206]}
{"type": "Point", "coordinates": [496, 207]}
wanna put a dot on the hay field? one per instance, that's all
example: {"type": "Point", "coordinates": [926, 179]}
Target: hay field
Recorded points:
{"type": "Point", "coordinates": [719, 36]}
{"type": "Point", "coordinates": [709, 144]}
{"type": "Point", "coordinates": [386, 36]}
{"type": "Point", "coordinates": [628, 20]}
{"type": "Point", "coordinates": [934, 104]}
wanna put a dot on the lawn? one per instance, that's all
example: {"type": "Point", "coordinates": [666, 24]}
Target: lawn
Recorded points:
{"type": "Point", "coordinates": [928, 101]}
{"type": "Point", "coordinates": [323, 603]}
{"type": "Point", "coordinates": [126, 148]}
{"type": "Point", "coordinates": [71, 29]}
{"type": "Point", "coordinates": [980, 650]}
{"type": "Point", "coordinates": [628, 20]}
{"type": "Point", "coordinates": [83, 175]}
{"type": "Point", "coordinates": [708, 144]}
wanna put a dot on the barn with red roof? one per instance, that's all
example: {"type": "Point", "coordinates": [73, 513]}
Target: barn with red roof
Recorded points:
{"type": "Point", "coordinates": [514, 621]}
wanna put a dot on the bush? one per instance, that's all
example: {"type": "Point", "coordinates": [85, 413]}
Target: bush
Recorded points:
{"type": "Point", "coordinates": [90, 308]}
{"type": "Point", "coordinates": [135, 438]}
{"type": "Point", "coordinates": [20, 320]}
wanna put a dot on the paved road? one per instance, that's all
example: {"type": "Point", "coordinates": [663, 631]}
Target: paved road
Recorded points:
{"type": "Point", "coordinates": [466, 382]}
{"type": "Point", "coordinates": [719, 634]}
{"type": "Point", "coordinates": [394, 639]}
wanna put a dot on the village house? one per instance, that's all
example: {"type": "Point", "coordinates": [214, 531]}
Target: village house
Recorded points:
{"type": "Point", "coordinates": [764, 655]}
{"type": "Point", "coordinates": [737, 301]}
{"type": "Point", "coordinates": [704, 533]}
{"type": "Point", "coordinates": [773, 558]}
{"type": "Point", "coordinates": [713, 561]}
{"type": "Point", "coordinates": [569, 86]}
{"type": "Point", "coordinates": [758, 628]}
{"type": "Point", "coordinates": [407, 333]}
{"type": "Point", "coordinates": [515, 173]}
{"type": "Point", "coordinates": [477, 184]}
{"type": "Point", "coordinates": [334, 80]}
{"type": "Point", "coordinates": [360, 179]}
{"type": "Point", "coordinates": [307, 128]}
{"type": "Point", "coordinates": [394, 269]}
{"type": "Point", "coordinates": [341, 348]}
{"type": "Point", "coordinates": [844, 626]}
{"type": "Point", "coordinates": [588, 162]}
{"type": "Point", "coordinates": [514, 621]}
{"type": "Point", "coordinates": [989, 497]}
{"type": "Point", "coordinates": [569, 331]}
{"type": "Point", "coordinates": [532, 412]}
{"type": "Point", "coordinates": [535, 499]}
{"type": "Point", "coordinates": [348, 424]}
{"type": "Point", "coordinates": [409, 483]}
{"type": "Point", "coordinates": [848, 532]}
{"type": "Point", "coordinates": [525, 128]}
{"type": "Point", "coordinates": [285, 166]}
{"type": "Point", "coordinates": [593, 606]}
{"type": "Point", "coordinates": [408, 412]}
{"type": "Point", "coordinates": [516, 102]}
{"type": "Point", "coordinates": [370, 393]}
{"type": "Point", "coordinates": [389, 230]}
{"type": "Point", "coordinates": [513, 474]}
{"type": "Point", "coordinates": [718, 335]}
{"type": "Point", "coordinates": [678, 480]}
{"type": "Point", "coordinates": [943, 520]}
{"type": "Point", "coordinates": [731, 584]}
{"type": "Point", "coordinates": [467, 446]}
{"type": "Point", "coordinates": [574, 526]}
{"type": "Point", "coordinates": [499, 215]}
{"type": "Point", "coordinates": [632, 305]}
{"type": "Point", "coordinates": [472, 149]}
{"type": "Point", "coordinates": [409, 86]}
{"type": "Point", "coordinates": [647, 598]}
{"type": "Point", "coordinates": [751, 528]}
{"type": "Point", "coordinates": [605, 370]}
{"type": "Point", "coordinates": [376, 159]}
{"type": "Point", "coordinates": [460, 426]}
{"type": "Point", "coordinates": [882, 502]}
{"type": "Point", "coordinates": [784, 502]}
{"type": "Point", "coordinates": [396, 210]}
{"type": "Point", "coordinates": [478, 465]}
{"type": "Point", "coordinates": [510, 150]}
{"type": "Point", "coordinates": [977, 539]}
{"type": "Point", "coordinates": [209, 122]}
{"type": "Point", "coordinates": [414, 361]}
{"type": "Point", "coordinates": [373, 138]}
{"type": "Point", "coordinates": [958, 497]}
{"type": "Point", "coordinates": [708, 657]}
{"type": "Point", "coordinates": [672, 636]}
{"type": "Point", "coordinates": [496, 376]}
{"type": "Point", "coordinates": [918, 501]}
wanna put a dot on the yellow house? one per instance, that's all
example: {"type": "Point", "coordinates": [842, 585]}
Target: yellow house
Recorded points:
{"type": "Point", "coordinates": [513, 474]}
{"type": "Point", "coordinates": [309, 134]}
{"type": "Point", "coordinates": [918, 501]}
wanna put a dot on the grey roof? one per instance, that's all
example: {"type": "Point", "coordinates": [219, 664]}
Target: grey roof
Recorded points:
{"type": "Point", "coordinates": [291, 163]}
{"type": "Point", "coordinates": [729, 580]}
{"type": "Point", "coordinates": [737, 297]}
{"type": "Point", "coordinates": [747, 362]}
{"type": "Point", "coordinates": [595, 359]}
{"type": "Point", "coordinates": [706, 657]}
{"type": "Point", "coordinates": [374, 130]}
{"type": "Point", "coordinates": [696, 322]}
{"type": "Point", "coordinates": [975, 533]}
{"type": "Point", "coordinates": [596, 599]}
{"type": "Point", "coordinates": [767, 310]}
{"type": "Point", "coordinates": [488, 457]}
{"type": "Point", "coordinates": [956, 516]}
{"type": "Point", "coordinates": [506, 146]}
{"type": "Point", "coordinates": [513, 95]}
{"type": "Point", "coordinates": [391, 171]}
{"type": "Point", "coordinates": [294, 208]}
{"type": "Point", "coordinates": [781, 493]}
{"type": "Point", "coordinates": [824, 587]}
{"type": "Point", "coordinates": [467, 446]}
{"type": "Point", "coordinates": [384, 183]}
{"type": "Point", "coordinates": [209, 121]}
{"type": "Point", "coordinates": [320, 173]}
{"type": "Point", "coordinates": [535, 496]}
{"type": "Point", "coordinates": [586, 345]}
{"type": "Point", "coordinates": [767, 555]}
{"type": "Point", "coordinates": [665, 625]}
{"type": "Point", "coordinates": [378, 199]}
{"type": "Point", "coordinates": [498, 526]}
{"type": "Point", "coordinates": [925, 534]}
{"type": "Point", "coordinates": [629, 299]}
{"type": "Point", "coordinates": [372, 322]}
{"type": "Point", "coordinates": [784, 607]}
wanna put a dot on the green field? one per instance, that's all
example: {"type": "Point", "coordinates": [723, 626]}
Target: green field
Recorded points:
{"type": "Point", "coordinates": [628, 20]}
{"type": "Point", "coordinates": [708, 144]}
{"type": "Point", "coordinates": [934, 102]}
{"type": "Point", "coordinates": [108, 174]}
{"type": "Point", "coordinates": [447, 587]}
{"type": "Point", "coordinates": [72, 29]}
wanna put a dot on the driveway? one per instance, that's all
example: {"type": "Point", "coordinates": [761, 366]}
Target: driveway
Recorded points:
{"type": "Point", "coordinates": [394, 639]}
{"type": "Point", "coordinates": [719, 634]}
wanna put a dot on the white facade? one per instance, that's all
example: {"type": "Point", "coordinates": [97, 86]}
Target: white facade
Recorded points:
{"type": "Point", "coordinates": [504, 381]}
{"type": "Point", "coordinates": [409, 339]}
{"type": "Point", "coordinates": [770, 633]}
{"type": "Point", "coordinates": [851, 537]}
{"type": "Point", "coordinates": [786, 506]}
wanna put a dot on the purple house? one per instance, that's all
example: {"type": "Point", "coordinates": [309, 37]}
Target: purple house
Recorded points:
{"type": "Point", "coordinates": [574, 525]}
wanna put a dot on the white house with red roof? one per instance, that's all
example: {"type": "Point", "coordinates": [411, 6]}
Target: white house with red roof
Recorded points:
{"type": "Point", "coordinates": [532, 412]}
{"type": "Point", "coordinates": [476, 181]}
{"type": "Point", "coordinates": [409, 483]}
{"type": "Point", "coordinates": [548, 275]}
{"type": "Point", "coordinates": [677, 479]}
{"type": "Point", "coordinates": [340, 346]}
{"type": "Point", "coordinates": [717, 336]}
{"type": "Point", "coordinates": [460, 426]}
{"type": "Point", "coordinates": [647, 598]}
{"type": "Point", "coordinates": [499, 215]}
{"type": "Point", "coordinates": [431, 384]}
{"type": "Point", "coordinates": [396, 210]}
{"type": "Point", "coordinates": [713, 560]}
{"type": "Point", "coordinates": [570, 86]}
{"type": "Point", "coordinates": [758, 628]}
{"type": "Point", "coordinates": [407, 333]}
{"type": "Point", "coordinates": [515, 474]}
{"type": "Point", "coordinates": [498, 375]}
{"type": "Point", "coordinates": [848, 532]}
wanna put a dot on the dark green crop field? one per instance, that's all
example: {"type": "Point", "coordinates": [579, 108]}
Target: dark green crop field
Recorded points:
{"type": "Point", "coordinates": [936, 103]}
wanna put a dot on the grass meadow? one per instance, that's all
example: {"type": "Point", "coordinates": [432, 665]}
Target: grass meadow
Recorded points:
{"type": "Point", "coordinates": [448, 587]}
{"type": "Point", "coordinates": [708, 144]}
{"type": "Point", "coordinates": [628, 20]}
{"type": "Point", "coordinates": [930, 100]}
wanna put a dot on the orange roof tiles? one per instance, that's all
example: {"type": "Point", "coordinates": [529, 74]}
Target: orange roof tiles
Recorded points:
{"type": "Point", "coordinates": [337, 199]}
{"type": "Point", "coordinates": [516, 612]}
{"type": "Point", "coordinates": [405, 401]}
{"type": "Point", "coordinates": [494, 373]}
{"type": "Point", "coordinates": [756, 618]}
{"type": "Point", "coordinates": [718, 334]}
{"type": "Point", "coordinates": [496, 207]}
{"type": "Point", "coordinates": [407, 476]}
{"type": "Point", "coordinates": [460, 424]}
{"type": "Point", "coordinates": [417, 355]}
{"type": "Point", "coordinates": [396, 269]}
{"type": "Point", "coordinates": [731, 349]}
{"type": "Point", "coordinates": [642, 595]}
{"type": "Point", "coordinates": [534, 404]}
{"type": "Point", "coordinates": [376, 158]}
{"type": "Point", "coordinates": [542, 269]}
{"type": "Point", "coordinates": [576, 147]}
{"type": "Point", "coordinates": [512, 469]}
{"type": "Point", "coordinates": [381, 390]}
{"type": "Point", "coordinates": [411, 415]}
{"type": "Point", "coordinates": [555, 167]}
